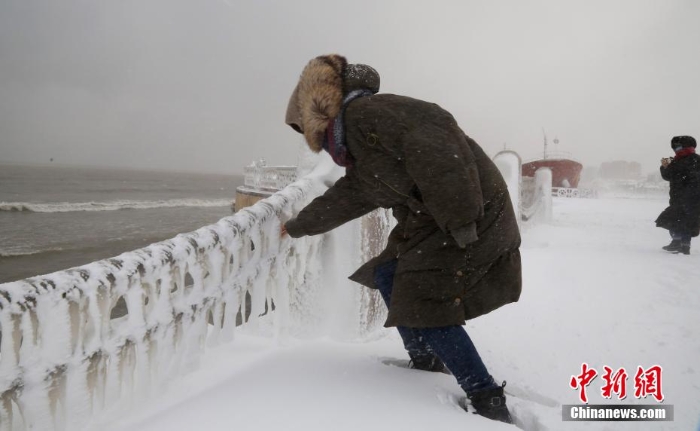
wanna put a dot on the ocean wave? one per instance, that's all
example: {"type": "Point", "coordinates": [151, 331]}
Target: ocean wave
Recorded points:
{"type": "Point", "coordinates": [20, 253]}
{"type": "Point", "coordinates": [62, 207]}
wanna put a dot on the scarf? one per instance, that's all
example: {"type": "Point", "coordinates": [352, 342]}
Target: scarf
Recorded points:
{"type": "Point", "coordinates": [684, 152]}
{"type": "Point", "coordinates": [334, 140]}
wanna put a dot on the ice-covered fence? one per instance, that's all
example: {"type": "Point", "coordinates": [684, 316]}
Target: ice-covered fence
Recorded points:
{"type": "Point", "coordinates": [568, 192]}
{"type": "Point", "coordinates": [531, 197]}
{"type": "Point", "coordinates": [537, 196]}
{"type": "Point", "coordinates": [374, 231]}
{"type": "Point", "coordinates": [509, 164]}
{"type": "Point", "coordinates": [61, 355]}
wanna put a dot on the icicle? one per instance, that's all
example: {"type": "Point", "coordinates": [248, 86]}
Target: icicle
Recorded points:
{"type": "Point", "coordinates": [57, 396]}
{"type": "Point", "coordinates": [6, 411]}
{"type": "Point", "coordinates": [10, 344]}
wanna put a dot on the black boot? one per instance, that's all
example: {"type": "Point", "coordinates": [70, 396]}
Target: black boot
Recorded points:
{"type": "Point", "coordinates": [491, 403]}
{"type": "Point", "coordinates": [429, 362]}
{"type": "Point", "coordinates": [685, 248]}
{"type": "Point", "coordinates": [675, 246]}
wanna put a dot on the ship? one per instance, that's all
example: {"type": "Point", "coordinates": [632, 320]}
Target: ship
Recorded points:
{"type": "Point", "coordinates": [566, 172]}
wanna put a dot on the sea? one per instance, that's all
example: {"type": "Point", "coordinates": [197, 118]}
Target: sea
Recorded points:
{"type": "Point", "coordinates": [58, 217]}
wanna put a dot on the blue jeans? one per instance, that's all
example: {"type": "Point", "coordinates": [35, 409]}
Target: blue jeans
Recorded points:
{"type": "Point", "coordinates": [450, 343]}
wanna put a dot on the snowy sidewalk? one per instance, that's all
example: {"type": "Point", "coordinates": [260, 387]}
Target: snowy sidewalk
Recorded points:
{"type": "Point", "coordinates": [597, 289]}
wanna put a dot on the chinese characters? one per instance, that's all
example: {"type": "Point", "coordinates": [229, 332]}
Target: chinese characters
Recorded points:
{"type": "Point", "coordinates": [647, 382]}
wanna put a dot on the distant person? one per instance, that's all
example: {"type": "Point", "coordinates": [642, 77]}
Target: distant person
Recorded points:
{"type": "Point", "coordinates": [454, 253]}
{"type": "Point", "coordinates": [682, 217]}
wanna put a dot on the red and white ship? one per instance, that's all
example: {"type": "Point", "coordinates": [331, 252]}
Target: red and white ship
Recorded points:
{"type": "Point", "coordinates": [566, 172]}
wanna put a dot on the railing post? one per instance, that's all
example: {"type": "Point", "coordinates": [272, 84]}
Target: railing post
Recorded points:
{"type": "Point", "coordinates": [543, 195]}
{"type": "Point", "coordinates": [509, 164]}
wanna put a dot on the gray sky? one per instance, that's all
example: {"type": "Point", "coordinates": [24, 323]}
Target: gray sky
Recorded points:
{"type": "Point", "coordinates": [202, 85]}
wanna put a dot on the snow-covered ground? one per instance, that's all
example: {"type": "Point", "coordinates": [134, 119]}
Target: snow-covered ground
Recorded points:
{"type": "Point", "coordinates": [597, 289]}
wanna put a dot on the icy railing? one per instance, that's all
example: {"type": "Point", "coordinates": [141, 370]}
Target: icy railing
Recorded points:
{"type": "Point", "coordinates": [568, 192]}
{"type": "Point", "coordinates": [509, 164]}
{"type": "Point", "coordinates": [62, 355]}
{"type": "Point", "coordinates": [259, 176]}
{"type": "Point", "coordinates": [531, 197]}
{"type": "Point", "coordinates": [374, 233]}
{"type": "Point", "coordinates": [537, 197]}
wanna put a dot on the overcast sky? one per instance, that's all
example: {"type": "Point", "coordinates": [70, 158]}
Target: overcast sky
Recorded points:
{"type": "Point", "coordinates": [202, 85]}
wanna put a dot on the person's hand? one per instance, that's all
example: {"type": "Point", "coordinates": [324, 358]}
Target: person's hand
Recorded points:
{"type": "Point", "coordinates": [665, 162]}
{"type": "Point", "coordinates": [283, 231]}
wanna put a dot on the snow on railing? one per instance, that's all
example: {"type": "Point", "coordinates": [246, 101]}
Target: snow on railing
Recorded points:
{"type": "Point", "coordinates": [569, 192]}
{"type": "Point", "coordinates": [537, 197]}
{"type": "Point", "coordinates": [375, 229]}
{"type": "Point", "coordinates": [62, 355]}
{"type": "Point", "coordinates": [531, 197]}
{"type": "Point", "coordinates": [509, 164]}
{"type": "Point", "coordinates": [68, 351]}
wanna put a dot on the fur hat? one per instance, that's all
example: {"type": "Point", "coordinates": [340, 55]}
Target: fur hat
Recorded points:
{"type": "Point", "coordinates": [318, 96]}
{"type": "Point", "coordinates": [683, 141]}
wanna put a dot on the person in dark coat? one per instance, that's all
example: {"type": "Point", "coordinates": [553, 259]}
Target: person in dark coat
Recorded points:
{"type": "Point", "coordinates": [682, 217]}
{"type": "Point", "coordinates": [454, 253]}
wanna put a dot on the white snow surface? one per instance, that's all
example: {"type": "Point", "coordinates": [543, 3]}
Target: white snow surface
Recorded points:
{"type": "Point", "coordinates": [597, 288]}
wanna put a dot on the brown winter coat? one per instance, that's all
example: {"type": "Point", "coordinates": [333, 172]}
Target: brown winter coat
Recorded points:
{"type": "Point", "coordinates": [412, 157]}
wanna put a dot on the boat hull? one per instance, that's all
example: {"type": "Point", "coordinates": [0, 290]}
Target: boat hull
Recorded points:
{"type": "Point", "coordinates": [565, 172]}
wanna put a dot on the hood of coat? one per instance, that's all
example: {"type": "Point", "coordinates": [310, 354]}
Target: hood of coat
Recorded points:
{"type": "Point", "coordinates": [318, 96]}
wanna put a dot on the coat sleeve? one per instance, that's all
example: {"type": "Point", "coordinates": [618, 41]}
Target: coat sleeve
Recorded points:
{"type": "Point", "coordinates": [666, 172]}
{"type": "Point", "coordinates": [341, 203]}
{"type": "Point", "coordinates": [443, 167]}
{"type": "Point", "coordinates": [673, 171]}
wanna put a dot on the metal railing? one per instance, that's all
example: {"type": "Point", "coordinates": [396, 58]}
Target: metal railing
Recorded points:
{"type": "Point", "coordinates": [62, 356]}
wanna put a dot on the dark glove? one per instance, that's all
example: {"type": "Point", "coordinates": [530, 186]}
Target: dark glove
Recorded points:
{"type": "Point", "coordinates": [465, 235]}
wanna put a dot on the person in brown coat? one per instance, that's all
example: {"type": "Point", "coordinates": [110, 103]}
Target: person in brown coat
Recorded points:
{"type": "Point", "coordinates": [454, 253]}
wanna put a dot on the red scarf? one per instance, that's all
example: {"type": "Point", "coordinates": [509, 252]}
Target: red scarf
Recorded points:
{"type": "Point", "coordinates": [334, 139]}
{"type": "Point", "coordinates": [684, 152]}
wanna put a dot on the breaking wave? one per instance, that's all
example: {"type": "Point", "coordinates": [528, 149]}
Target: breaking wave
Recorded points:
{"type": "Point", "coordinates": [20, 253]}
{"type": "Point", "coordinates": [62, 207]}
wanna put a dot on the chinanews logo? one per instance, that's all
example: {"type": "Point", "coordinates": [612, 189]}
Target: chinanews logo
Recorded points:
{"type": "Point", "coordinates": [648, 384]}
